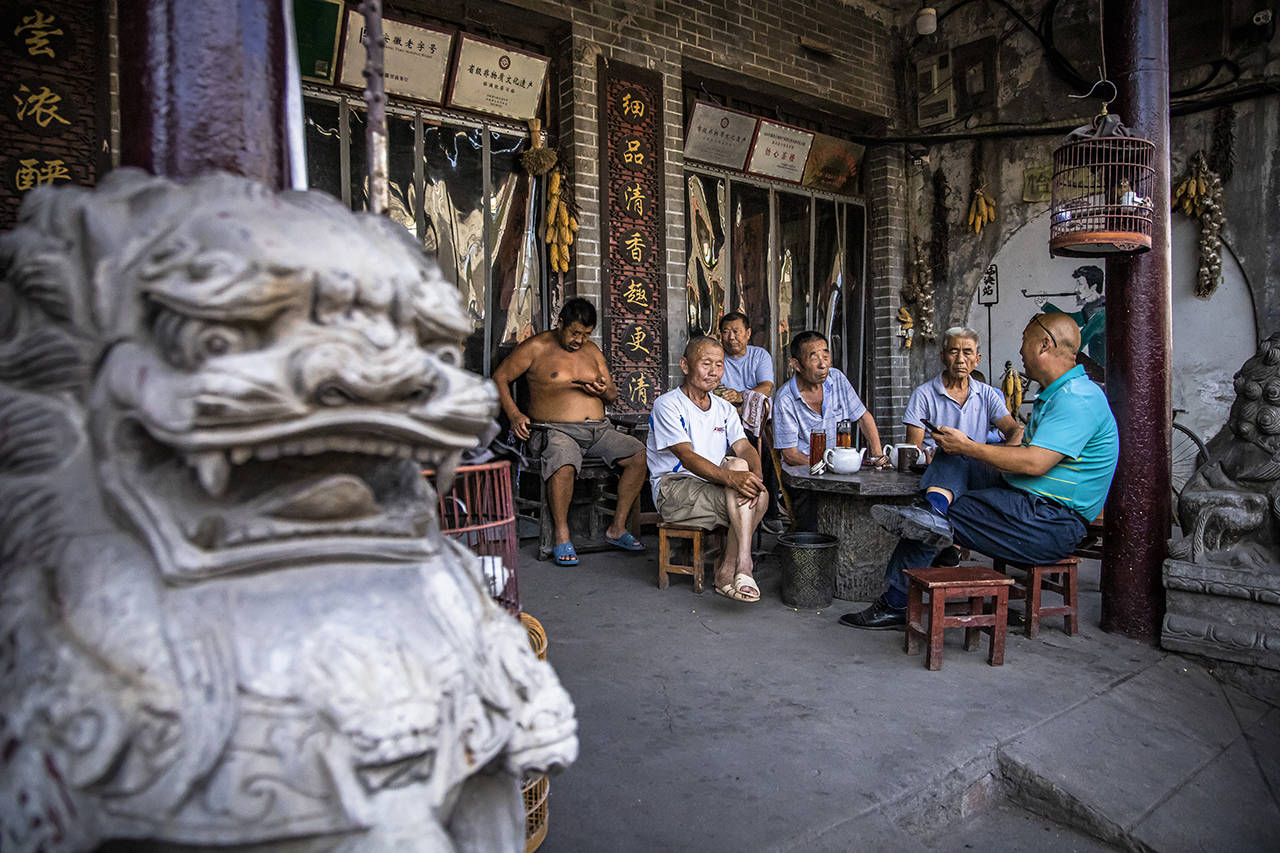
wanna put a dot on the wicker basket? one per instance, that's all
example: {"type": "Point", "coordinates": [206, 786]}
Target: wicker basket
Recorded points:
{"type": "Point", "coordinates": [537, 636]}
{"type": "Point", "coordinates": [537, 789]}
{"type": "Point", "coordinates": [535, 812]}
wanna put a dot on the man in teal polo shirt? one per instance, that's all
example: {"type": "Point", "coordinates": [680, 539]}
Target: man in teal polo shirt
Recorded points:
{"type": "Point", "coordinates": [1025, 504]}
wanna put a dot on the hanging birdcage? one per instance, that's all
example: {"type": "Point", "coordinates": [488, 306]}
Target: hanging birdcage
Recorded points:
{"type": "Point", "coordinates": [1102, 191]}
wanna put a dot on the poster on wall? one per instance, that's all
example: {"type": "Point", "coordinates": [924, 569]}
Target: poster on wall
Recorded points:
{"type": "Point", "coordinates": [415, 59]}
{"type": "Point", "coordinates": [633, 225]}
{"type": "Point", "coordinates": [780, 151]}
{"type": "Point", "coordinates": [833, 164]}
{"type": "Point", "coordinates": [718, 136]}
{"type": "Point", "coordinates": [493, 78]}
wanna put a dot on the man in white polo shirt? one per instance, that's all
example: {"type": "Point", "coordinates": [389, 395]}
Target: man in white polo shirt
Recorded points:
{"type": "Point", "coordinates": [695, 480]}
{"type": "Point", "coordinates": [956, 399]}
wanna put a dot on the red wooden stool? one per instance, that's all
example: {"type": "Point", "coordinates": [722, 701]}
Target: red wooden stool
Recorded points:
{"type": "Point", "coordinates": [1059, 577]}
{"type": "Point", "coordinates": [976, 583]}
{"type": "Point", "coordinates": [699, 556]}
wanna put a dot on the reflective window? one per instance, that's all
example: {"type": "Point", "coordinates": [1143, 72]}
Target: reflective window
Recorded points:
{"type": "Point", "coordinates": [794, 261]}
{"type": "Point", "coordinates": [482, 232]}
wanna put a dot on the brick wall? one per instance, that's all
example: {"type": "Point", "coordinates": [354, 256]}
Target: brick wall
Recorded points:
{"type": "Point", "coordinates": [757, 39]}
{"type": "Point", "coordinates": [886, 245]}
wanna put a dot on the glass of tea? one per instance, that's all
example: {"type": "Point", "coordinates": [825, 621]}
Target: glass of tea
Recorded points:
{"type": "Point", "coordinates": [844, 434]}
{"type": "Point", "coordinates": [817, 446]}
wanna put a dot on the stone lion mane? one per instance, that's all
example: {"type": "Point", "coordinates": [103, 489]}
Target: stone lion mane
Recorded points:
{"type": "Point", "coordinates": [227, 615]}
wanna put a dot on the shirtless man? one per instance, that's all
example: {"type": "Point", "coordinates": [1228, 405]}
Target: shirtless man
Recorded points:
{"type": "Point", "coordinates": [569, 385]}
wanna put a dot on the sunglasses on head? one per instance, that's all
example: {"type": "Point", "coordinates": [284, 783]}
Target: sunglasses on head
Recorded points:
{"type": "Point", "coordinates": [1035, 318]}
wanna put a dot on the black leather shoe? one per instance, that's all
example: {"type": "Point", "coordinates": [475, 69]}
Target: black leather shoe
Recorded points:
{"type": "Point", "coordinates": [948, 556]}
{"type": "Point", "coordinates": [878, 617]}
{"type": "Point", "coordinates": [911, 522]}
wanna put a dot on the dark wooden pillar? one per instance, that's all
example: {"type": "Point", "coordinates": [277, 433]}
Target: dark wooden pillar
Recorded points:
{"type": "Point", "coordinates": [1139, 335]}
{"type": "Point", "coordinates": [202, 87]}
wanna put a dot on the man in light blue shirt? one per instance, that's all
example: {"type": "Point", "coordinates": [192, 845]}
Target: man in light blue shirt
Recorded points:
{"type": "Point", "coordinates": [746, 367]}
{"type": "Point", "coordinates": [955, 398]}
{"type": "Point", "coordinates": [1029, 504]}
{"type": "Point", "coordinates": [817, 398]}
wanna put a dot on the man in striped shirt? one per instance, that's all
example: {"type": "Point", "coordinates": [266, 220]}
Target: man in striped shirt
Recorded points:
{"type": "Point", "coordinates": [1026, 504]}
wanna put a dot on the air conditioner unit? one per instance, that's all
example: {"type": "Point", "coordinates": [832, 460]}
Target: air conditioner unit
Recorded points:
{"type": "Point", "coordinates": [935, 96]}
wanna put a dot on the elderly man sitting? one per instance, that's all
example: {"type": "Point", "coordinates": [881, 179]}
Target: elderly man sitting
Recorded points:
{"type": "Point", "coordinates": [1026, 504]}
{"type": "Point", "coordinates": [955, 398]}
{"type": "Point", "coordinates": [695, 481]}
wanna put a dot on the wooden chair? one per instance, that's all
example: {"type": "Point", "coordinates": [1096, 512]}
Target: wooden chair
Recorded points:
{"type": "Point", "coordinates": [1091, 545]}
{"type": "Point", "coordinates": [699, 555]}
{"type": "Point", "coordinates": [977, 584]}
{"type": "Point", "coordinates": [1059, 577]}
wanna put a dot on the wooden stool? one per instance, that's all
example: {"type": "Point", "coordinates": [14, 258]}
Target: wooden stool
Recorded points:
{"type": "Point", "coordinates": [976, 583]}
{"type": "Point", "coordinates": [667, 532]}
{"type": "Point", "coordinates": [1059, 577]}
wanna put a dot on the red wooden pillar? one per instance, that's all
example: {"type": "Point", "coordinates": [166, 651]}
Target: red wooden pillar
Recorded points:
{"type": "Point", "coordinates": [1139, 333]}
{"type": "Point", "coordinates": [202, 87]}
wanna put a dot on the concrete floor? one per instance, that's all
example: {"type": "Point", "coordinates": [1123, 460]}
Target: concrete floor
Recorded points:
{"type": "Point", "coordinates": [710, 725]}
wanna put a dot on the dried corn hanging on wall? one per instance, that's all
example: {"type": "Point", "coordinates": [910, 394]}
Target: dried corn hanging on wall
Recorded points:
{"type": "Point", "coordinates": [560, 225]}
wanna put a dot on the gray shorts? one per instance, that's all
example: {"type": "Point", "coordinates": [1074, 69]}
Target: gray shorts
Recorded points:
{"type": "Point", "coordinates": [559, 444]}
{"type": "Point", "coordinates": [692, 501]}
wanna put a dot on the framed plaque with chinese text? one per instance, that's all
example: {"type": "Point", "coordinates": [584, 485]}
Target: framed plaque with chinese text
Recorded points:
{"type": "Point", "coordinates": [780, 151]}
{"type": "Point", "coordinates": [718, 136]}
{"type": "Point", "coordinates": [495, 79]}
{"type": "Point", "coordinates": [632, 227]}
{"type": "Point", "coordinates": [415, 59]}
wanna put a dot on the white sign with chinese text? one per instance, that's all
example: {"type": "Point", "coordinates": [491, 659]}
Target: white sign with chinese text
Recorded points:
{"type": "Point", "coordinates": [718, 136]}
{"type": "Point", "coordinates": [780, 151]}
{"type": "Point", "coordinates": [492, 78]}
{"type": "Point", "coordinates": [415, 59]}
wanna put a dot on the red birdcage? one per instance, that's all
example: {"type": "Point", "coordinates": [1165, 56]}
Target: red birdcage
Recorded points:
{"type": "Point", "coordinates": [479, 512]}
{"type": "Point", "coordinates": [1102, 191]}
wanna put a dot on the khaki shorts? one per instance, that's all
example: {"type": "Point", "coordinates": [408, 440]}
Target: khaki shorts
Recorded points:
{"type": "Point", "coordinates": [689, 500]}
{"type": "Point", "coordinates": [561, 444]}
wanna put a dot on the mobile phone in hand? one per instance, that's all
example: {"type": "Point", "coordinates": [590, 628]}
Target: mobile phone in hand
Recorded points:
{"type": "Point", "coordinates": [928, 425]}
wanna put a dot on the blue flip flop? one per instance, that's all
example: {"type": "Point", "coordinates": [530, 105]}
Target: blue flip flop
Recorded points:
{"type": "Point", "coordinates": [626, 542]}
{"type": "Point", "coordinates": [565, 554]}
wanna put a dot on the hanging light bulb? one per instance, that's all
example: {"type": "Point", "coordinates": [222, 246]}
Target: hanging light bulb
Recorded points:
{"type": "Point", "coordinates": [927, 21]}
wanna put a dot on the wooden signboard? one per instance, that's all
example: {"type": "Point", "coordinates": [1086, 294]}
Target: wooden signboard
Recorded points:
{"type": "Point", "coordinates": [632, 224]}
{"type": "Point", "coordinates": [833, 164]}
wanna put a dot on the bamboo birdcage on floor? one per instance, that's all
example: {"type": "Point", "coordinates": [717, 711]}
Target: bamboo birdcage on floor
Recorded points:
{"type": "Point", "coordinates": [1102, 193]}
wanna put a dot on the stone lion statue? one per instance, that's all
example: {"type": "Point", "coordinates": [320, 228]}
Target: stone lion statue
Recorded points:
{"type": "Point", "coordinates": [227, 615]}
{"type": "Point", "coordinates": [1230, 509]}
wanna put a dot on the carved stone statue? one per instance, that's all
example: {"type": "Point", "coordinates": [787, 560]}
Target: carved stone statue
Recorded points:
{"type": "Point", "coordinates": [227, 614]}
{"type": "Point", "coordinates": [1223, 573]}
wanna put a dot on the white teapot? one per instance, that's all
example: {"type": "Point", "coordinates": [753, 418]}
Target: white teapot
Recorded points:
{"type": "Point", "coordinates": [844, 460]}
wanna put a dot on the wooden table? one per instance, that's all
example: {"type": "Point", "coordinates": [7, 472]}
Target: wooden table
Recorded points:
{"type": "Point", "coordinates": [844, 511]}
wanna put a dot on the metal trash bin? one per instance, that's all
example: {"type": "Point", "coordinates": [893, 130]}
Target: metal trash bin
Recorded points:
{"type": "Point", "coordinates": [808, 569]}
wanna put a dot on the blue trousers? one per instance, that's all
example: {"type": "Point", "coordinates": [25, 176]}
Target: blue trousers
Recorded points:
{"type": "Point", "coordinates": [990, 516]}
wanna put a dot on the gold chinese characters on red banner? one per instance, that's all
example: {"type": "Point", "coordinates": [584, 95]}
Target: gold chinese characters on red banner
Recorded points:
{"type": "Point", "coordinates": [632, 220]}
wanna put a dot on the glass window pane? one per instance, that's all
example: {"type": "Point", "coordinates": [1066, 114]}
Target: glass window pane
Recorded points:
{"type": "Point", "coordinates": [705, 248]}
{"type": "Point", "coordinates": [324, 147]}
{"type": "Point", "coordinates": [828, 273]}
{"type": "Point", "coordinates": [852, 313]}
{"type": "Point", "coordinates": [750, 284]}
{"type": "Point", "coordinates": [452, 201]}
{"type": "Point", "coordinates": [401, 192]}
{"type": "Point", "coordinates": [516, 253]}
{"type": "Point", "coordinates": [793, 266]}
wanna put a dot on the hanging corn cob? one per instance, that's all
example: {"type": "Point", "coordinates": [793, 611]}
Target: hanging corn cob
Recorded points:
{"type": "Point", "coordinates": [982, 210]}
{"type": "Point", "coordinates": [560, 224]}
{"type": "Point", "coordinates": [1199, 195]}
